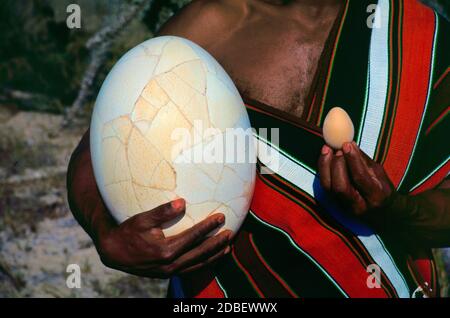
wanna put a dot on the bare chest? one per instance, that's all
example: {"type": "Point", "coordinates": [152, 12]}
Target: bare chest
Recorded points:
{"type": "Point", "coordinates": [274, 63]}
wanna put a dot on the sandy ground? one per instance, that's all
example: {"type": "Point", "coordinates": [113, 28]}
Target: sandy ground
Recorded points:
{"type": "Point", "coordinates": [39, 237]}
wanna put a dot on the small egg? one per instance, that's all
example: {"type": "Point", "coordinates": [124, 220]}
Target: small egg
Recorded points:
{"type": "Point", "coordinates": [337, 128]}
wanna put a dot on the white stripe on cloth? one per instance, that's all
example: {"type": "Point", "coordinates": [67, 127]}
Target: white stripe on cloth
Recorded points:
{"type": "Point", "coordinates": [378, 80]}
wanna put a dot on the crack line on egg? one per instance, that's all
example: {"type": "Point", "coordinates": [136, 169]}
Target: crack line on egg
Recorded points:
{"type": "Point", "coordinates": [171, 70]}
{"type": "Point", "coordinates": [187, 83]}
{"type": "Point", "coordinates": [131, 175]}
{"type": "Point", "coordinates": [159, 58]}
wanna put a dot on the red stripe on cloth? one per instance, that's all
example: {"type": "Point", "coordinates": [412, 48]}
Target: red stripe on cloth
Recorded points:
{"type": "Point", "coordinates": [422, 269]}
{"type": "Point", "coordinates": [441, 78]}
{"type": "Point", "coordinates": [212, 290]}
{"type": "Point", "coordinates": [425, 269]}
{"type": "Point", "coordinates": [311, 106]}
{"type": "Point", "coordinates": [321, 244]}
{"type": "Point", "coordinates": [434, 179]}
{"type": "Point", "coordinates": [418, 35]}
{"type": "Point", "coordinates": [202, 284]}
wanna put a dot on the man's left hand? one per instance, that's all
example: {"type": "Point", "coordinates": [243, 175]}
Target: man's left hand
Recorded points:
{"type": "Point", "coordinates": [357, 182]}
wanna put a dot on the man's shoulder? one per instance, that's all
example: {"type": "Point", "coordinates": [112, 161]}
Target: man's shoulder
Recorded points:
{"type": "Point", "coordinates": [203, 21]}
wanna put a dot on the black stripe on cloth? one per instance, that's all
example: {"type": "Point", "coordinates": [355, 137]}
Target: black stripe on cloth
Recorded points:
{"type": "Point", "coordinates": [233, 280]}
{"type": "Point", "coordinates": [443, 49]}
{"type": "Point", "coordinates": [440, 97]}
{"type": "Point", "coordinates": [268, 283]}
{"type": "Point", "coordinates": [297, 141]}
{"type": "Point", "coordinates": [347, 86]}
{"type": "Point", "coordinates": [320, 84]}
{"type": "Point", "coordinates": [304, 277]}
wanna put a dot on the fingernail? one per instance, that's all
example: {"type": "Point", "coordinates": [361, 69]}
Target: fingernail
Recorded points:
{"type": "Point", "coordinates": [347, 148]}
{"type": "Point", "coordinates": [221, 219]}
{"type": "Point", "coordinates": [339, 153]}
{"type": "Point", "coordinates": [354, 143]}
{"type": "Point", "coordinates": [325, 150]}
{"type": "Point", "coordinates": [227, 249]}
{"type": "Point", "coordinates": [178, 204]}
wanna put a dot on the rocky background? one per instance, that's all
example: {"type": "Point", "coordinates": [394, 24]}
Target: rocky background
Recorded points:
{"type": "Point", "coordinates": [49, 76]}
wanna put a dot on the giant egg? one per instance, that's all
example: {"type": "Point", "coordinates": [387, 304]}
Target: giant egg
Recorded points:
{"type": "Point", "coordinates": [160, 130]}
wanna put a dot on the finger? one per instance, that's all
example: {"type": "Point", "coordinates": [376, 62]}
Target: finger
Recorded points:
{"type": "Point", "coordinates": [201, 253]}
{"type": "Point", "coordinates": [369, 161]}
{"type": "Point", "coordinates": [165, 272]}
{"type": "Point", "coordinates": [209, 261]}
{"type": "Point", "coordinates": [359, 171]}
{"type": "Point", "coordinates": [324, 167]}
{"type": "Point", "coordinates": [181, 242]}
{"type": "Point", "coordinates": [159, 215]}
{"type": "Point", "coordinates": [340, 182]}
{"type": "Point", "coordinates": [342, 187]}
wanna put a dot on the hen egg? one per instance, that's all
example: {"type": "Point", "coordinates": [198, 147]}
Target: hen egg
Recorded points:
{"type": "Point", "coordinates": [337, 128]}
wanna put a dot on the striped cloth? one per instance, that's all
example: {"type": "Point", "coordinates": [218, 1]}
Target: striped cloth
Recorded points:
{"type": "Point", "coordinates": [393, 81]}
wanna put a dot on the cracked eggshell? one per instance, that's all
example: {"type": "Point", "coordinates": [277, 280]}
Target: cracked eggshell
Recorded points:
{"type": "Point", "coordinates": [160, 86]}
{"type": "Point", "coordinates": [337, 128]}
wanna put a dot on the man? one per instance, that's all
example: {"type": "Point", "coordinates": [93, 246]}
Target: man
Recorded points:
{"type": "Point", "coordinates": [350, 223]}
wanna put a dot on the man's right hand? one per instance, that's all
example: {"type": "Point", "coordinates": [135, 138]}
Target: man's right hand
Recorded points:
{"type": "Point", "coordinates": [138, 245]}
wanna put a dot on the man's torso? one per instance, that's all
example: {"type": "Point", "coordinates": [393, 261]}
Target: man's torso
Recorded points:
{"type": "Point", "coordinates": [291, 242]}
{"type": "Point", "coordinates": [271, 51]}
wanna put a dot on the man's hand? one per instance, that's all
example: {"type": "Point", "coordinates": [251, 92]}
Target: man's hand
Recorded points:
{"type": "Point", "coordinates": [358, 182]}
{"type": "Point", "coordinates": [138, 245]}
{"type": "Point", "coordinates": [364, 189]}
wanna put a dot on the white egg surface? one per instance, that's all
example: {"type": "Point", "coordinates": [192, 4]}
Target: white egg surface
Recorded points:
{"type": "Point", "coordinates": [155, 94]}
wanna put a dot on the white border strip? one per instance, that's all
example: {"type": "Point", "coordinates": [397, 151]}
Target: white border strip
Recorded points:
{"type": "Point", "coordinates": [378, 80]}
